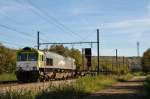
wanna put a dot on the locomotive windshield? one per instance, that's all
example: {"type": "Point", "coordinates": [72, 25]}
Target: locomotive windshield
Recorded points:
{"type": "Point", "coordinates": [32, 57]}
{"type": "Point", "coordinates": [22, 57]}
{"type": "Point", "coordinates": [27, 57]}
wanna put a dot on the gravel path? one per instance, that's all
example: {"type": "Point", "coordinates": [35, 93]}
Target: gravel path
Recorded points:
{"type": "Point", "coordinates": [124, 90]}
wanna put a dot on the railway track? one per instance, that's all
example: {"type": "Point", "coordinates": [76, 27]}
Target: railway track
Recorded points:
{"type": "Point", "coordinates": [15, 81]}
{"type": "Point", "coordinates": [8, 82]}
{"type": "Point", "coordinates": [14, 85]}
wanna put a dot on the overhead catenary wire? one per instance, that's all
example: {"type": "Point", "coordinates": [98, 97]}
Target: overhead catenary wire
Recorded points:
{"type": "Point", "coordinates": [9, 18]}
{"type": "Point", "coordinates": [4, 26]}
{"type": "Point", "coordinates": [8, 38]}
{"type": "Point", "coordinates": [15, 30]}
{"type": "Point", "coordinates": [59, 24]}
{"type": "Point", "coordinates": [36, 13]}
{"type": "Point", "coordinates": [12, 43]}
{"type": "Point", "coordinates": [29, 35]}
{"type": "Point", "coordinates": [13, 20]}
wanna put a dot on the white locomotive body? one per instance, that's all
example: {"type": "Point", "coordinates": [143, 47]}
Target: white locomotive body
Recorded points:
{"type": "Point", "coordinates": [33, 65]}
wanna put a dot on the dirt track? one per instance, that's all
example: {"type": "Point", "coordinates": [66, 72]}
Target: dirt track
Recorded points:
{"type": "Point", "coordinates": [124, 90]}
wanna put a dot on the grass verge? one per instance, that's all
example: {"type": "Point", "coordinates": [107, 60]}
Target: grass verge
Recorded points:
{"type": "Point", "coordinates": [96, 83]}
{"type": "Point", "coordinates": [76, 90]}
{"type": "Point", "coordinates": [124, 78]}
{"type": "Point", "coordinates": [8, 77]}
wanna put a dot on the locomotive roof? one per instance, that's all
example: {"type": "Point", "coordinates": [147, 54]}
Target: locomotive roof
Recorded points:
{"type": "Point", "coordinates": [25, 49]}
{"type": "Point", "coordinates": [28, 49]}
{"type": "Point", "coordinates": [56, 55]}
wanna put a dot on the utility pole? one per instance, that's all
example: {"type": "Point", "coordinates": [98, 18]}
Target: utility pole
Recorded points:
{"type": "Point", "coordinates": [83, 58]}
{"type": "Point", "coordinates": [117, 58]}
{"type": "Point", "coordinates": [98, 51]}
{"type": "Point", "coordinates": [138, 54]}
{"type": "Point", "coordinates": [38, 40]}
{"type": "Point", "coordinates": [138, 49]}
{"type": "Point", "coordinates": [116, 55]}
{"type": "Point", "coordinates": [123, 60]}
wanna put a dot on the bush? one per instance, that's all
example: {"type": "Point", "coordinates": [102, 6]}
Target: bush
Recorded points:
{"type": "Point", "coordinates": [146, 61]}
{"type": "Point", "coordinates": [147, 87]}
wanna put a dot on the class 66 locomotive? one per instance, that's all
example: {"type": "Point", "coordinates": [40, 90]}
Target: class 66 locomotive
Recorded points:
{"type": "Point", "coordinates": [36, 65]}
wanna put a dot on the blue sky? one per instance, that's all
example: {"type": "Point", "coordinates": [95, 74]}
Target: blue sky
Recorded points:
{"type": "Point", "coordinates": [121, 22]}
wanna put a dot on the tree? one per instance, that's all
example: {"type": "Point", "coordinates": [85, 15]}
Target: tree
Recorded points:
{"type": "Point", "coordinates": [60, 49]}
{"type": "Point", "coordinates": [7, 59]}
{"type": "Point", "coordinates": [75, 53]}
{"type": "Point", "coordinates": [146, 61]}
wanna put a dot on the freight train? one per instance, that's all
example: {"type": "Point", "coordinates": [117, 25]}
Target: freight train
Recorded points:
{"type": "Point", "coordinates": [33, 65]}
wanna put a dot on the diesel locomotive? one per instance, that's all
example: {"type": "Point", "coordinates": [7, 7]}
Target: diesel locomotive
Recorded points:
{"type": "Point", "coordinates": [33, 65]}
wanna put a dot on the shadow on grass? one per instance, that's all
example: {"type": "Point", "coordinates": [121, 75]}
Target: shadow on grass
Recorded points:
{"type": "Point", "coordinates": [116, 96]}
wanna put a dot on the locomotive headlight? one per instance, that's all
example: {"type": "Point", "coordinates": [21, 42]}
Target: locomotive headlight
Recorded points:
{"type": "Point", "coordinates": [18, 68]}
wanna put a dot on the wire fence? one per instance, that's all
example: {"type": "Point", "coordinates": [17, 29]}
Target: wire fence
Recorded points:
{"type": "Point", "coordinates": [116, 65]}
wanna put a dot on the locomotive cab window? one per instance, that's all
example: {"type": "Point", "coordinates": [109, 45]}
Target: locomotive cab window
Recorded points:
{"type": "Point", "coordinates": [22, 57]}
{"type": "Point", "coordinates": [49, 62]}
{"type": "Point", "coordinates": [32, 56]}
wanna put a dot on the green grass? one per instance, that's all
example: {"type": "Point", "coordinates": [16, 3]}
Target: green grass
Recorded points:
{"type": "Point", "coordinates": [21, 94]}
{"type": "Point", "coordinates": [139, 73]}
{"type": "Point", "coordinates": [81, 87]}
{"type": "Point", "coordinates": [7, 77]}
{"type": "Point", "coordinates": [124, 78]}
{"type": "Point", "coordinates": [93, 84]}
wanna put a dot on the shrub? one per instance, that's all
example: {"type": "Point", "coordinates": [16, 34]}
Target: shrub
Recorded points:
{"type": "Point", "coordinates": [147, 87]}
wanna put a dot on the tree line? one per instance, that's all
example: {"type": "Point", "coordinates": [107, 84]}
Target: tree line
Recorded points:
{"type": "Point", "coordinates": [8, 59]}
